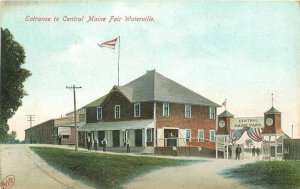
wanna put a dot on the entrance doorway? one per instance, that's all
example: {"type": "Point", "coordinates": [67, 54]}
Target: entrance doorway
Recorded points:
{"type": "Point", "coordinates": [101, 135]}
{"type": "Point", "coordinates": [170, 136]}
{"type": "Point", "coordinates": [116, 138]}
{"type": "Point", "coordinates": [138, 137]}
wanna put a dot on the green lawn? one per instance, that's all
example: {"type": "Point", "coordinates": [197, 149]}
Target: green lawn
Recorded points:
{"type": "Point", "coordinates": [269, 174]}
{"type": "Point", "coordinates": [102, 170]}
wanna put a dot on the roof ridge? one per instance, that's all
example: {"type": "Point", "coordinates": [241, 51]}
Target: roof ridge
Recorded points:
{"type": "Point", "coordinates": [189, 90]}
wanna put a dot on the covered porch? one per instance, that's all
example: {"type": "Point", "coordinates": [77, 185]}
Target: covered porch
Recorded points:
{"type": "Point", "coordinates": [139, 134]}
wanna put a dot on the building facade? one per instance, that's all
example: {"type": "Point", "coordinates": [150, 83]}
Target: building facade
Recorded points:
{"type": "Point", "coordinates": [151, 112]}
{"type": "Point", "coordinates": [55, 131]}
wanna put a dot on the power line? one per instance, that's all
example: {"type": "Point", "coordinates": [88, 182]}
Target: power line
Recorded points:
{"type": "Point", "coordinates": [75, 122]}
{"type": "Point", "coordinates": [30, 119]}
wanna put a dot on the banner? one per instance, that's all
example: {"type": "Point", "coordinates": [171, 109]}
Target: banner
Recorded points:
{"type": "Point", "coordinates": [251, 122]}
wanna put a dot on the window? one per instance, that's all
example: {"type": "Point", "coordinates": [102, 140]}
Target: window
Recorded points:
{"type": "Point", "coordinates": [99, 113]}
{"type": "Point", "coordinates": [212, 135]}
{"type": "Point", "coordinates": [137, 110]}
{"type": "Point", "coordinates": [166, 109]}
{"type": "Point", "coordinates": [212, 112]}
{"type": "Point", "coordinates": [125, 135]}
{"type": "Point", "coordinates": [150, 135]}
{"type": "Point", "coordinates": [188, 111]}
{"type": "Point", "coordinates": [188, 135]}
{"type": "Point", "coordinates": [117, 111]}
{"type": "Point", "coordinates": [65, 136]}
{"type": "Point", "coordinates": [200, 135]}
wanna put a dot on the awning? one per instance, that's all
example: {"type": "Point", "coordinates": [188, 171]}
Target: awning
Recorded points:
{"type": "Point", "coordinates": [118, 125]}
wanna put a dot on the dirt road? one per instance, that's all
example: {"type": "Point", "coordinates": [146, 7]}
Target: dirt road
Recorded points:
{"type": "Point", "coordinates": [31, 171]}
{"type": "Point", "coordinates": [196, 176]}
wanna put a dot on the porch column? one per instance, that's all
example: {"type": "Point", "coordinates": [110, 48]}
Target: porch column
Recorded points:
{"type": "Point", "coordinates": [224, 140]}
{"type": "Point", "coordinates": [276, 146]}
{"type": "Point", "coordinates": [217, 147]}
{"type": "Point", "coordinates": [145, 136]}
{"type": "Point", "coordinates": [227, 146]}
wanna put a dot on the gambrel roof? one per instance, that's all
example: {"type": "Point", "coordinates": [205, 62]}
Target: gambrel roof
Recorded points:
{"type": "Point", "coordinates": [155, 87]}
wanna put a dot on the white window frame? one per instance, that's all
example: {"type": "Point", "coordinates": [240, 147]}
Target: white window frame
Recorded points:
{"type": "Point", "coordinates": [166, 105]}
{"type": "Point", "coordinates": [201, 139]}
{"type": "Point", "coordinates": [210, 135]}
{"type": "Point", "coordinates": [99, 113]}
{"type": "Point", "coordinates": [117, 116]}
{"type": "Point", "coordinates": [151, 135]}
{"type": "Point", "coordinates": [135, 112]}
{"type": "Point", "coordinates": [188, 139]}
{"type": "Point", "coordinates": [187, 111]}
{"type": "Point", "coordinates": [212, 112]}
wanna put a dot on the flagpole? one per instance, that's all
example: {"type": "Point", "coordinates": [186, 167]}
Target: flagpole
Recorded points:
{"type": "Point", "coordinates": [119, 61]}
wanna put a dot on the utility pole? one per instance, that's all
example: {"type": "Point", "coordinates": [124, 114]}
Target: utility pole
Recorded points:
{"type": "Point", "coordinates": [75, 122]}
{"type": "Point", "coordinates": [30, 119]}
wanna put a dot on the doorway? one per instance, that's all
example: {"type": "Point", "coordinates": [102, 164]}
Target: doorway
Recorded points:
{"type": "Point", "coordinates": [170, 136]}
{"type": "Point", "coordinates": [116, 138]}
{"type": "Point", "coordinates": [138, 137]}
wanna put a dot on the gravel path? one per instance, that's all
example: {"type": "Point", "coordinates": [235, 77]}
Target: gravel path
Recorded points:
{"type": "Point", "coordinates": [203, 175]}
{"type": "Point", "coordinates": [31, 171]}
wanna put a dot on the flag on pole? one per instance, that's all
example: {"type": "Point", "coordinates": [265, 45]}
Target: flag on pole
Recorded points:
{"type": "Point", "coordinates": [110, 44]}
{"type": "Point", "coordinates": [224, 103]}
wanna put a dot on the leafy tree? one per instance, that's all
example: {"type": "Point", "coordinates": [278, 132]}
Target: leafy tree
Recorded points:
{"type": "Point", "coordinates": [248, 143]}
{"type": "Point", "coordinates": [12, 78]}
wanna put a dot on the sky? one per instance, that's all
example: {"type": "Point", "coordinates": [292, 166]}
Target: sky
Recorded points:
{"type": "Point", "coordinates": [239, 51]}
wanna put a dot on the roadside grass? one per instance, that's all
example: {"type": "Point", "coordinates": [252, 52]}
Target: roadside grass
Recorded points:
{"type": "Point", "coordinates": [102, 170]}
{"type": "Point", "coordinates": [269, 174]}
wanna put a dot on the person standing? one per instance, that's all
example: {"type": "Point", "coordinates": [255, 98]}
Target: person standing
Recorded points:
{"type": "Point", "coordinates": [257, 151]}
{"type": "Point", "coordinates": [60, 140]}
{"type": "Point", "coordinates": [253, 151]}
{"type": "Point", "coordinates": [104, 143]}
{"type": "Point", "coordinates": [95, 143]}
{"type": "Point", "coordinates": [128, 146]}
{"type": "Point", "coordinates": [229, 152]}
{"type": "Point", "coordinates": [238, 152]}
{"type": "Point", "coordinates": [89, 143]}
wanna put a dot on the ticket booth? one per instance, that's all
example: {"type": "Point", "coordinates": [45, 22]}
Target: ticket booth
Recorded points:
{"type": "Point", "coordinates": [272, 144]}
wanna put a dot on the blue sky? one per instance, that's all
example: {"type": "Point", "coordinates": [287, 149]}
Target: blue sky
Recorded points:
{"type": "Point", "coordinates": [242, 51]}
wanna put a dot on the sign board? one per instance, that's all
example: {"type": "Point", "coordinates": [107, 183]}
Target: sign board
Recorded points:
{"type": "Point", "coordinates": [241, 122]}
{"type": "Point", "coordinates": [64, 130]}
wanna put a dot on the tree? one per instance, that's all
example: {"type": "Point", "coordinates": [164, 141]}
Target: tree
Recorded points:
{"type": "Point", "coordinates": [12, 76]}
{"type": "Point", "coordinates": [248, 143]}
{"type": "Point", "coordinates": [12, 137]}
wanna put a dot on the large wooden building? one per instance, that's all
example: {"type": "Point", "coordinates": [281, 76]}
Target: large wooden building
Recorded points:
{"type": "Point", "coordinates": [55, 131]}
{"type": "Point", "coordinates": [152, 112]}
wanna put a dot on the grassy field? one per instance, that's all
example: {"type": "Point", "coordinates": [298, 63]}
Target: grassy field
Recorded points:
{"type": "Point", "coordinates": [269, 174]}
{"type": "Point", "coordinates": [102, 170]}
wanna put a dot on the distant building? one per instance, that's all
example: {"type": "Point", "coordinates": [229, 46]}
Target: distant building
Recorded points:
{"type": "Point", "coordinates": [152, 112]}
{"type": "Point", "coordinates": [54, 131]}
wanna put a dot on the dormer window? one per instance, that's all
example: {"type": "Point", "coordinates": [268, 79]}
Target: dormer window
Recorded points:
{"type": "Point", "coordinates": [99, 113]}
{"type": "Point", "coordinates": [117, 112]}
{"type": "Point", "coordinates": [166, 109]}
{"type": "Point", "coordinates": [137, 110]}
{"type": "Point", "coordinates": [212, 112]}
{"type": "Point", "coordinates": [188, 111]}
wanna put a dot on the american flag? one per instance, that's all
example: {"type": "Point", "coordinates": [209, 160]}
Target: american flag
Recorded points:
{"type": "Point", "coordinates": [110, 44]}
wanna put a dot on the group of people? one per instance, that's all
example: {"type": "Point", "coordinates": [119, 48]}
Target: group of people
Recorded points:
{"type": "Point", "coordinates": [255, 151]}
{"type": "Point", "coordinates": [93, 143]}
{"type": "Point", "coordinates": [238, 152]}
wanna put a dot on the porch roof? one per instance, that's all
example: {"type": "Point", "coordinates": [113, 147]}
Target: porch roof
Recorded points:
{"type": "Point", "coordinates": [118, 125]}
